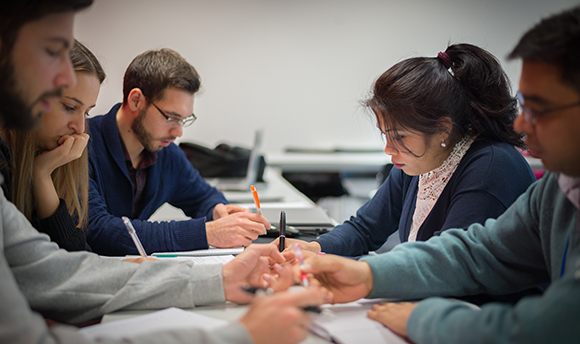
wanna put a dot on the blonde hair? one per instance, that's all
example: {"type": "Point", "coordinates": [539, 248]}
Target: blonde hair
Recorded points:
{"type": "Point", "coordinates": [71, 180]}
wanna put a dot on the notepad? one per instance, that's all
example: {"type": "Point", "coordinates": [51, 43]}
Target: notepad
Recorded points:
{"type": "Point", "coordinates": [348, 324]}
{"type": "Point", "coordinates": [212, 251]}
{"type": "Point", "coordinates": [164, 320]}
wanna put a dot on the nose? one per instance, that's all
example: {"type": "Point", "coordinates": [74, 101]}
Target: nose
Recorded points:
{"type": "Point", "coordinates": [177, 131]}
{"type": "Point", "coordinates": [389, 149]}
{"type": "Point", "coordinates": [65, 78]}
{"type": "Point", "coordinates": [521, 126]}
{"type": "Point", "coordinates": [77, 123]}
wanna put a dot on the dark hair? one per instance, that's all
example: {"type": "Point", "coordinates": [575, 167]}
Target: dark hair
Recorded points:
{"type": "Point", "coordinates": [156, 70]}
{"type": "Point", "coordinates": [15, 13]}
{"type": "Point", "coordinates": [84, 61]}
{"type": "Point", "coordinates": [555, 40]}
{"type": "Point", "coordinates": [418, 93]}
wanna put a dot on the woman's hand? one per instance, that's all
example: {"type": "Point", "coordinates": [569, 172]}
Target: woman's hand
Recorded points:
{"type": "Point", "coordinates": [70, 147]}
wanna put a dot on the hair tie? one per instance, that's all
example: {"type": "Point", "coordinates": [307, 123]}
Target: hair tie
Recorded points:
{"type": "Point", "coordinates": [445, 59]}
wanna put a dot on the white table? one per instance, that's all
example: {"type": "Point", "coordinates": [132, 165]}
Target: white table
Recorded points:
{"type": "Point", "coordinates": [329, 162]}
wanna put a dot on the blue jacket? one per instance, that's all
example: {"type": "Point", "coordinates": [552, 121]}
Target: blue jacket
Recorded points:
{"type": "Point", "coordinates": [171, 179]}
{"type": "Point", "coordinates": [489, 178]}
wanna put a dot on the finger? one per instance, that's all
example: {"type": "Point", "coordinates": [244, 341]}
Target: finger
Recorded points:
{"type": "Point", "coordinates": [220, 210]}
{"type": "Point", "coordinates": [234, 208]}
{"type": "Point", "coordinates": [325, 263]}
{"type": "Point", "coordinates": [270, 251]}
{"type": "Point", "coordinates": [311, 296]}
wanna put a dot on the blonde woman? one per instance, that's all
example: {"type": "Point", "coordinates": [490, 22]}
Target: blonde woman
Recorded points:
{"type": "Point", "coordinates": [46, 170]}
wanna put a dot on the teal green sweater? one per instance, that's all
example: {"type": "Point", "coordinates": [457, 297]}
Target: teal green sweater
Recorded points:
{"type": "Point", "coordinates": [522, 248]}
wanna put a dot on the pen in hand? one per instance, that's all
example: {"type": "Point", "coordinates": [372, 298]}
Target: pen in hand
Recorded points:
{"type": "Point", "coordinates": [134, 236]}
{"type": "Point", "coordinates": [300, 257]}
{"type": "Point", "coordinates": [269, 291]}
{"type": "Point", "coordinates": [282, 231]}
{"type": "Point", "coordinates": [257, 202]}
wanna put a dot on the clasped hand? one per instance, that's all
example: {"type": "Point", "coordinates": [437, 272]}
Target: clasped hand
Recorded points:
{"type": "Point", "coordinates": [234, 226]}
{"type": "Point", "coordinates": [70, 147]}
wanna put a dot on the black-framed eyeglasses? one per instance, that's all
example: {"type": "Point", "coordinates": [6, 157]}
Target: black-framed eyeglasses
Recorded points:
{"type": "Point", "coordinates": [531, 115]}
{"type": "Point", "coordinates": [172, 121]}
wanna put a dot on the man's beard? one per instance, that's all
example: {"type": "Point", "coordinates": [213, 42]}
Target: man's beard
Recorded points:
{"type": "Point", "coordinates": [143, 135]}
{"type": "Point", "coordinates": [14, 112]}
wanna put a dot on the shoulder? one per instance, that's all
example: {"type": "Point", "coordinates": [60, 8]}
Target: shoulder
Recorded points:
{"type": "Point", "coordinates": [495, 157]}
{"type": "Point", "coordinates": [494, 167]}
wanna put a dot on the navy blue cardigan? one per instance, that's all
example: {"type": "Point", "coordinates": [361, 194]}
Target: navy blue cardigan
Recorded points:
{"type": "Point", "coordinates": [171, 179]}
{"type": "Point", "coordinates": [487, 181]}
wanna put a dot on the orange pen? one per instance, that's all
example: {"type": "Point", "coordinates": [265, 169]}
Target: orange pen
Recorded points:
{"type": "Point", "coordinates": [256, 199]}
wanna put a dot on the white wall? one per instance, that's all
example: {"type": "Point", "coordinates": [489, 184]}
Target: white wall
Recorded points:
{"type": "Point", "coordinates": [296, 68]}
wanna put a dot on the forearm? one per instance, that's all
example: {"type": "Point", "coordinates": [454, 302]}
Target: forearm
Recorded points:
{"type": "Point", "coordinates": [45, 196]}
{"type": "Point", "coordinates": [551, 317]}
{"type": "Point", "coordinates": [62, 228]}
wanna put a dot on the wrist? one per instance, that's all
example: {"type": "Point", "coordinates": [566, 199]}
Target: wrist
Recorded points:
{"type": "Point", "coordinates": [367, 277]}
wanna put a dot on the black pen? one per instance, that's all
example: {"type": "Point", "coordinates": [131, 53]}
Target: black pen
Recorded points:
{"type": "Point", "coordinates": [282, 231]}
{"type": "Point", "coordinates": [269, 291]}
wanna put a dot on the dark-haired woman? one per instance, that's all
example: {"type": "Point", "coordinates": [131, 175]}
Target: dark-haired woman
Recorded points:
{"type": "Point", "coordinates": [447, 121]}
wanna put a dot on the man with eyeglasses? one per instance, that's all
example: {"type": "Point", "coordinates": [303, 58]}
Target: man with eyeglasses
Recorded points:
{"type": "Point", "coordinates": [136, 168]}
{"type": "Point", "coordinates": [535, 242]}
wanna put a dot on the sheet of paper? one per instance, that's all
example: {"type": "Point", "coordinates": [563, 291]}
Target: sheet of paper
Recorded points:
{"type": "Point", "coordinates": [348, 324]}
{"type": "Point", "coordinates": [167, 319]}
{"type": "Point", "coordinates": [212, 251]}
{"type": "Point", "coordinates": [204, 260]}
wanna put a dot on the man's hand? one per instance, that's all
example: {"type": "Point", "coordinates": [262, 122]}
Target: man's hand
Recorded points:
{"type": "Point", "coordinates": [221, 210]}
{"type": "Point", "coordinates": [249, 267]}
{"type": "Point", "coordinates": [347, 279]}
{"type": "Point", "coordinates": [279, 318]}
{"type": "Point", "coordinates": [393, 315]}
{"type": "Point", "coordinates": [237, 229]}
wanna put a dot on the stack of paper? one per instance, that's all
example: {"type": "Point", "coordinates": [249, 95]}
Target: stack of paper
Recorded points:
{"type": "Point", "coordinates": [348, 324]}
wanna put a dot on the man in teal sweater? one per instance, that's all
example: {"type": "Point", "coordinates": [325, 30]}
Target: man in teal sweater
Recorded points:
{"type": "Point", "coordinates": [535, 242]}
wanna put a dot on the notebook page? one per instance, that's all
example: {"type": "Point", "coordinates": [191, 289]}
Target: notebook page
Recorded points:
{"type": "Point", "coordinates": [167, 319]}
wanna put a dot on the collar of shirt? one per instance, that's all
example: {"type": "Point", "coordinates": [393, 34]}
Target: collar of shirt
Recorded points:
{"type": "Point", "coordinates": [571, 188]}
{"type": "Point", "coordinates": [148, 159]}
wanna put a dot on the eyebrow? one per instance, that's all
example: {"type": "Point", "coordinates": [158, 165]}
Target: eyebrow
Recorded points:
{"type": "Point", "coordinates": [175, 115]}
{"type": "Point", "coordinates": [76, 100]}
{"type": "Point", "coordinates": [79, 101]}
{"type": "Point", "coordinates": [536, 99]}
{"type": "Point", "coordinates": [65, 42]}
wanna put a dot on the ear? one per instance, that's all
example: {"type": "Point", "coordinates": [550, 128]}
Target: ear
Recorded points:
{"type": "Point", "coordinates": [446, 126]}
{"type": "Point", "coordinates": [136, 100]}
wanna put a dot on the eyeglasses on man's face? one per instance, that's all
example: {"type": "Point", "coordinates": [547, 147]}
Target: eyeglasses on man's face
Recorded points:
{"type": "Point", "coordinates": [172, 121]}
{"type": "Point", "coordinates": [531, 115]}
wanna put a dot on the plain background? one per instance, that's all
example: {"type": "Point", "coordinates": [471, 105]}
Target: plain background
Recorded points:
{"type": "Point", "coordinates": [299, 69]}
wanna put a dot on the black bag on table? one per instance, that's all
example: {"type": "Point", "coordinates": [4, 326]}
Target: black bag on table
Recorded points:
{"type": "Point", "coordinates": [222, 161]}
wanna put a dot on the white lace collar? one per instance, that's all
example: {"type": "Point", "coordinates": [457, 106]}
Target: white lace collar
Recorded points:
{"type": "Point", "coordinates": [432, 183]}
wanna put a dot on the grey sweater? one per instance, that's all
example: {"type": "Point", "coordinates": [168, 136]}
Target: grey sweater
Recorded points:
{"type": "Point", "coordinates": [522, 248]}
{"type": "Point", "coordinates": [38, 277]}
